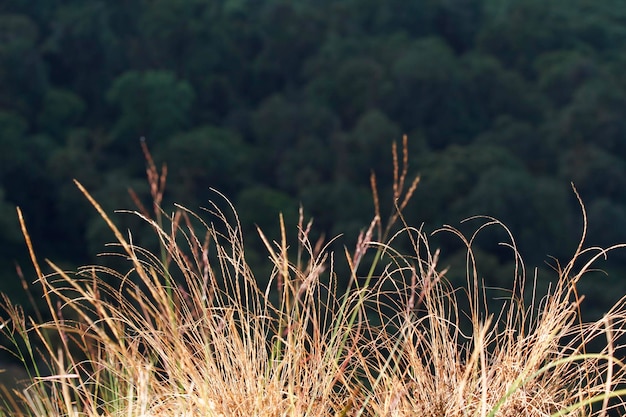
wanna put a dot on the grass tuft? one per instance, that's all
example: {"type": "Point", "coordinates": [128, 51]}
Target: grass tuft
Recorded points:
{"type": "Point", "coordinates": [186, 330]}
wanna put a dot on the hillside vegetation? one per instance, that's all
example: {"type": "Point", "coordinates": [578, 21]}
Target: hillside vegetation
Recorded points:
{"type": "Point", "coordinates": [279, 103]}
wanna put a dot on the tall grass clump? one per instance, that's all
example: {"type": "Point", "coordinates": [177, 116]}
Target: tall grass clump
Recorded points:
{"type": "Point", "coordinates": [186, 329]}
{"type": "Point", "coordinates": [531, 358]}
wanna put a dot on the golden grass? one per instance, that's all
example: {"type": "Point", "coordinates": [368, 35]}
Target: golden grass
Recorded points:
{"type": "Point", "coordinates": [188, 331]}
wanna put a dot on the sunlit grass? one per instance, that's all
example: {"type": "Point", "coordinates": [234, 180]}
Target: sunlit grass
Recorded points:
{"type": "Point", "coordinates": [186, 330]}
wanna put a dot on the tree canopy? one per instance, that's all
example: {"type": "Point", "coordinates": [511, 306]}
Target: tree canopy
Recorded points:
{"type": "Point", "coordinates": [279, 103]}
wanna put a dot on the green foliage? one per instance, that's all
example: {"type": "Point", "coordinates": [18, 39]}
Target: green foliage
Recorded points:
{"type": "Point", "coordinates": [205, 157]}
{"type": "Point", "coordinates": [11, 234]}
{"type": "Point", "coordinates": [61, 110]}
{"type": "Point", "coordinates": [12, 131]}
{"type": "Point", "coordinates": [153, 104]}
{"type": "Point", "coordinates": [368, 140]}
{"type": "Point", "coordinates": [22, 72]}
{"type": "Point", "coordinates": [561, 73]}
{"type": "Point", "coordinates": [595, 171]}
{"type": "Point", "coordinates": [428, 75]}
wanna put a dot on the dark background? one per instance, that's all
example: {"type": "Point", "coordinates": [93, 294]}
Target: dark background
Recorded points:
{"type": "Point", "coordinates": [279, 103]}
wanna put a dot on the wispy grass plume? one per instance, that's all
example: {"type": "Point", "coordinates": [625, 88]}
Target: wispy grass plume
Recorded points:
{"type": "Point", "coordinates": [186, 330]}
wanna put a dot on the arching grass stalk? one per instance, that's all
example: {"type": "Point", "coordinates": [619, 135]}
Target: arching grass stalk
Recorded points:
{"type": "Point", "coordinates": [401, 198]}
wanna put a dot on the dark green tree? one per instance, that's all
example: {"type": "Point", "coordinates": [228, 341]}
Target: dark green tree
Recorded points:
{"type": "Point", "coordinates": [83, 51]}
{"type": "Point", "coordinates": [563, 72]}
{"type": "Point", "coordinates": [61, 111]}
{"type": "Point", "coordinates": [428, 92]}
{"type": "Point", "coordinates": [154, 104]}
{"type": "Point", "coordinates": [205, 157]}
{"type": "Point", "coordinates": [23, 77]}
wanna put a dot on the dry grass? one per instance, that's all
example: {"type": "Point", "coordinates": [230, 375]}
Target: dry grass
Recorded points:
{"type": "Point", "coordinates": [525, 360]}
{"type": "Point", "coordinates": [189, 332]}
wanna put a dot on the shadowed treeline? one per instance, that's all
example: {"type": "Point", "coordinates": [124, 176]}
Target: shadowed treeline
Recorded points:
{"type": "Point", "coordinates": [278, 103]}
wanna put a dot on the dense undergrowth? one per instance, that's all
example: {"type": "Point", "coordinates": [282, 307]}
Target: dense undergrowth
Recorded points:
{"type": "Point", "coordinates": [188, 331]}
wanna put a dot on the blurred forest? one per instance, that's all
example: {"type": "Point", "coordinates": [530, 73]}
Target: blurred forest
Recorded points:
{"type": "Point", "coordinates": [278, 103]}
